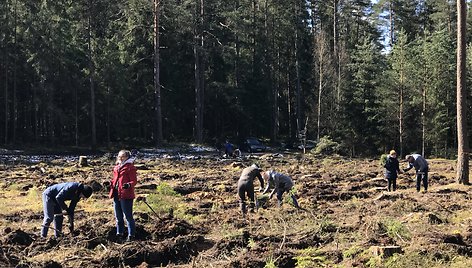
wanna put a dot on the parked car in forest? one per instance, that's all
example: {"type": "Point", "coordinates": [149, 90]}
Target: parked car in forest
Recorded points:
{"type": "Point", "coordinates": [309, 144]}
{"type": "Point", "coordinates": [252, 145]}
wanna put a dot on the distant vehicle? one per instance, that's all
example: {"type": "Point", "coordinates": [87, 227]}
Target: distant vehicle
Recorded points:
{"type": "Point", "coordinates": [253, 145]}
{"type": "Point", "coordinates": [308, 146]}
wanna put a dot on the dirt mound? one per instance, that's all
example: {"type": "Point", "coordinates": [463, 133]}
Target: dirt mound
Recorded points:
{"type": "Point", "coordinates": [172, 227]}
{"type": "Point", "coordinates": [18, 237]}
{"type": "Point", "coordinates": [226, 245]}
{"type": "Point", "coordinates": [177, 251]}
{"type": "Point", "coordinates": [188, 188]}
{"type": "Point", "coordinates": [52, 264]}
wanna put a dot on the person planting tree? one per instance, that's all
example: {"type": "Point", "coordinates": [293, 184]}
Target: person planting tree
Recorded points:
{"type": "Point", "coordinates": [54, 205]}
{"type": "Point", "coordinates": [246, 187]}
{"type": "Point", "coordinates": [421, 166]}
{"type": "Point", "coordinates": [281, 183]}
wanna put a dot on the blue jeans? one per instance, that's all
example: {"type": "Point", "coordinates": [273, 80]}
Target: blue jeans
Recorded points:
{"type": "Point", "coordinates": [51, 207]}
{"type": "Point", "coordinates": [124, 207]}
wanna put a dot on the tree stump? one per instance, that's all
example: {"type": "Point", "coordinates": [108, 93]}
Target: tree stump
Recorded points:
{"type": "Point", "coordinates": [385, 251]}
{"type": "Point", "coordinates": [83, 161]}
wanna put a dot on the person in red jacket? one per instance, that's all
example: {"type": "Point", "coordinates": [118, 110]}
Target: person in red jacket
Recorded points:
{"type": "Point", "coordinates": [122, 192]}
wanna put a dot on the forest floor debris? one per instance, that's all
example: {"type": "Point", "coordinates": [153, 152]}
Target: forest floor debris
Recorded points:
{"type": "Point", "coordinates": [195, 219]}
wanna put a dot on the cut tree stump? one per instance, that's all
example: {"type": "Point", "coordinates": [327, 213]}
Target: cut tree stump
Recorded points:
{"type": "Point", "coordinates": [385, 251]}
{"type": "Point", "coordinates": [83, 161]}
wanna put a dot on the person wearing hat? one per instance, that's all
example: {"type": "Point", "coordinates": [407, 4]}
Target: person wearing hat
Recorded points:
{"type": "Point", "coordinates": [122, 191]}
{"type": "Point", "coordinates": [421, 166]}
{"type": "Point", "coordinates": [392, 169]}
{"type": "Point", "coordinates": [54, 198]}
{"type": "Point", "coordinates": [246, 187]}
{"type": "Point", "coordinates": [281, 183]}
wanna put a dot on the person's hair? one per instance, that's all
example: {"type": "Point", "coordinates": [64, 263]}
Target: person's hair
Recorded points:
{"type": "Point", "coordinates": [125, 152]}
{"type": "Point", "coordinates": [85, 190]}
{"type": "Point", "coordinates": [265, 175]}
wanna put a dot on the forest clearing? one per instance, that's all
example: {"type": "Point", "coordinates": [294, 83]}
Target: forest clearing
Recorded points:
{"type": "Point", "coordinates": [193, 218]}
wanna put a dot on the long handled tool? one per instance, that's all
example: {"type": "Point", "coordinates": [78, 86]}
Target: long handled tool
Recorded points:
{"type": "Point", "coordinates": [50, 227]}
{"type": "Point", "coordinates": [144, 200]}
{"type": "Point", "coordinates": [65, 213]}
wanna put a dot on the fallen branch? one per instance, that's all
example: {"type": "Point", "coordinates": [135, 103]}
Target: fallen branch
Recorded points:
{"type": "Point", "coordinates": [285, 235]}
{"type": "Point", "coordinates": [442, 206]}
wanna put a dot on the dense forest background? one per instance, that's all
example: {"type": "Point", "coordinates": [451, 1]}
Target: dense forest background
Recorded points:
{"type": "Point", "coordinates": [371, 76]}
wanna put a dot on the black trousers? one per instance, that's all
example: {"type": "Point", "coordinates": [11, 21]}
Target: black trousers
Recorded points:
{"type": "Point", "coordinates": [392, 181]}
{"type": "Point", "coordinates": [421, 176]}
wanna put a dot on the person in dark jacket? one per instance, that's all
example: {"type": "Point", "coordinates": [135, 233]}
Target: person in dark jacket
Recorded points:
{"type": "Point", "coordinates": [229, 149]}
{"type": "Point", "coordinates": [122, 191]}
{"type": "Point", "coordinates": [54, 198]}
{"type": "Point", "coordinates": [421, 166]}
{"type": "Point", "coordinates": [281, 183]}
{"type": "Point", "coordinates": [392, 169]}
{"type": "Point", "coordinates": [246, 187]}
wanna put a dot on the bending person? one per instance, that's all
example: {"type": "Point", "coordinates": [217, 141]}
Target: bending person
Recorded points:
{"type": "Point", "coordinates": [421, 166]}
{"type": "Point", "coordinates": [54, 205]}
{"type": "Point", "coordinates": [246, 187]}
{"type": "Point", "coordinates": [281, 183]}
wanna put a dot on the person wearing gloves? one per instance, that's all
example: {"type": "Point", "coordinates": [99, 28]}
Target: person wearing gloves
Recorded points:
{"type": "Point", "coordinates": [392, 169]}
{"type": "Point", "coordinates": [281, 183]}
{"type": "Point", "coordinates": [246, 187]}
{"type": "Point", "coordinates": [122, 191]}
{"type": "Point", "coordinates": [421, 166]}
{"type": "Point", "coordinates": [54, 198]}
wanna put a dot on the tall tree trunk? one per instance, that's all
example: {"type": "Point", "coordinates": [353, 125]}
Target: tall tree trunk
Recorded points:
{"type": "Point", "coordinates": [108, 116]}
{"type": "Point", "coordinates": [336, 55]}
{"type": "Point", "coordinates": [275, 88]}
{"type": "Point", "coordinates": [254, 26]}
{"type": "Point", "coordinates": [400, 115]}
{"type": "Point", "coordinates": [297, 74]}
{"type": "Point", "coordinates": [157, 82]}
{"type": "Point", "coordinates": [289, 104]}
{"type": "Point", "coordinates": [76, 114]}
{"type": "Point", "coordinates": [401, 99]}
{"type": "Point", "coordinates": [423, 121]}
{"type": "Point", "coordinates": [462, 132]}
{"type": "Point", "coordinates": [392, 26]}
{"type": "Point", "coordinates": [320, 54]}
{"type": "Point", "coordinates": [91, 79]}
{"type": "Point", "coordinates": [238, 53]}
{"type": "Point", "coordinates": [199, 74]}
{"type": "Point", "coordinates": [6, 66]}
{"type": "Point", "coordinates": [15, 56]}
{"type": "Point", "coordinates": [36, 112]}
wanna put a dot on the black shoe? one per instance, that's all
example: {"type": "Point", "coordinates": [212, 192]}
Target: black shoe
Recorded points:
{"type": "Point", "coordinates": [120, 238]}
{"type": "Point", "coordinates": [130, 238]}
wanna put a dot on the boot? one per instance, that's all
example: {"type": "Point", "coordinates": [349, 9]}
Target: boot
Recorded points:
{"type": "Point", "coordinates": [243, 208]}
{"type": "Point", "coordinates": [295, 202]}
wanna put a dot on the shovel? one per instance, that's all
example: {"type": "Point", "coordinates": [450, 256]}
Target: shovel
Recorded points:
{"type": "Point", "coordinates": [157, 215]}
{"type": "Point", "coordinates": [65, 213]}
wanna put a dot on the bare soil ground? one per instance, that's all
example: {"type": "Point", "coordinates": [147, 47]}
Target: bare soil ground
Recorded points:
{"type": "Point", "coordinates": [348, 218]}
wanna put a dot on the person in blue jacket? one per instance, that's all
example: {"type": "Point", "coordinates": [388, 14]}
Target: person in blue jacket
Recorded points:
{"type": "Point", "coordinates": [54, 198]}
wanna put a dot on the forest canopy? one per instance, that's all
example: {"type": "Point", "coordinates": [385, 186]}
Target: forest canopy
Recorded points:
{"type": "Point", "coordinates": [371, 76]}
